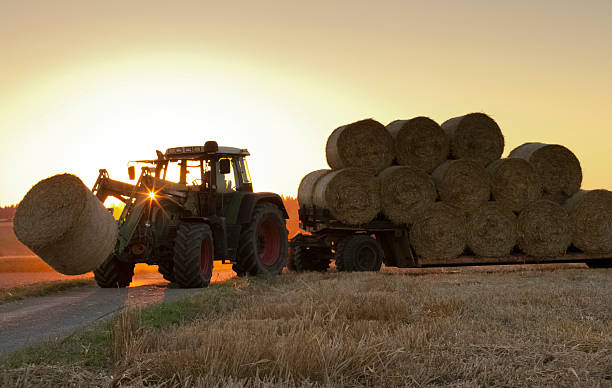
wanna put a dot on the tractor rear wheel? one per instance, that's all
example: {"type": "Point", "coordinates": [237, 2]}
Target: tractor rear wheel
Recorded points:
{"type": "Point", "coordinates": [114, 273]}
{"type": "Point", "coordinates": [165, 269]}
{"type": "Point", "coordinates": [358, 253]}
{"type": "Point", "coordinates": [263, 244]}
{"type": "Point", "coordinates": [193, 255]}
{"type": "Point", "coordinates": [311, 259]}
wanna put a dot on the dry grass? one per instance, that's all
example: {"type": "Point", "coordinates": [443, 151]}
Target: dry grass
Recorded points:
{"type": "Point", "coordinates": [528, 328]}
{"type": "Point", "coordinates": [40, 289]}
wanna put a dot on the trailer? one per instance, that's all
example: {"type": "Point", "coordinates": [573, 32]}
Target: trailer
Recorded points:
{"type": "Point", "coordinates": [367, 247]}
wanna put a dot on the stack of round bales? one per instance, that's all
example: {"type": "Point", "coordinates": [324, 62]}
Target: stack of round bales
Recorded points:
{"type": "Point", "coordinates": [448, 185]}
{"type": "Point", "coordinates": [61, 221]}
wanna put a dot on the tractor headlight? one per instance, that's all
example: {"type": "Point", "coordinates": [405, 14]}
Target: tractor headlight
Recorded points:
{"type": "Point", "coordinates": [151, 196]}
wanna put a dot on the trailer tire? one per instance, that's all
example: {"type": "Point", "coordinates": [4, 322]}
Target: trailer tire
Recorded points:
{"type": "Point", "coordinates": [263, 245]}
{"type": "Point", "coordinates": [193, 255]}
{"type": "Point", "coordinates": [114, 273]}
{"type": "Point", "coordinates": [311, 259]}
{"type": "Point", "coordinates": [358, 253]}
{"type": "Point", "coordinates": [599, 263]}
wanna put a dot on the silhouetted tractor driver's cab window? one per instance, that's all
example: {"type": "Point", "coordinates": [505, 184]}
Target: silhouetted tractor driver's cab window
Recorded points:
{"type": "Point", "coordinates": [227, 181]}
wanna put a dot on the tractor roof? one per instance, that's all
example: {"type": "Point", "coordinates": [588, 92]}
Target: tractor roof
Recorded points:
{"type": "Point", "coordinates": [198, 152]}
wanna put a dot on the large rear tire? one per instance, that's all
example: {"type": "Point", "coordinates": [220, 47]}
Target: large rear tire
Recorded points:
{"type": "Point", "coordinates": [358, 253]}
{"type": "Point", "coordinates": [193, 255]}
{"type": "Point", "coordinates": [311, 259]}
{"type": "Point", "coordinates": [114, 273]}
{"type": "Point", "coordinates": [263, 245]}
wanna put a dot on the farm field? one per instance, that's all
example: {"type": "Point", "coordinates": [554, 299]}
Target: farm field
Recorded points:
{"type": "Point", "coordinates": [515, 326]}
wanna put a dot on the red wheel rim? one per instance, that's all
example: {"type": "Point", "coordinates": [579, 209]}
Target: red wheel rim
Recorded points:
{"type": "Point", "coordinates": [206, 256]}
{"type": "Point", "coordinates": [268, 242]}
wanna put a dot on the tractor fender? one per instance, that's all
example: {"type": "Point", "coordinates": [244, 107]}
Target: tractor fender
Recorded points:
{"type": "Point", "coordinates": [252, 199]}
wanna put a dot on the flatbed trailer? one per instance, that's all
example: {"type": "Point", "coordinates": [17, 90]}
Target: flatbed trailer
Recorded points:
{"type": "Point", "coordinates": [367, 247]}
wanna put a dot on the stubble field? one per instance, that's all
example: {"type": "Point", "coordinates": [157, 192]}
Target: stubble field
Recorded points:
{"type": "Point", "coordinates": [525, 326]}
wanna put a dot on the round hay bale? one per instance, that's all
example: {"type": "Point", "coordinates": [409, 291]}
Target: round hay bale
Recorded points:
{"type": "Point", "coordinates": [61, 221]}
{"type": "Point", "coordinates": [351, 195]}
{"type": "Point", "coordinates": [462, 183]}
{"type": "Point", "coordinates": [419, 142]}
{"type": "Point", "coordinates": [543, 229]}
{"type": "Point", "coordinates": [514, 183]}
{"type": "Point", "coordinates": [307, 185]}
{"type": "Point", "coordinates": [474, 136]}
{"type": "Point", "coordinates": [406, 192]}
{"type": "Point", "coordinates": [364, 144]}
{"type": "Point", "coordinates": [439, 232]}
{"type": "Point", "coordinates": [558, 168]}
{"type": "Point", "coordinates": [590, 218]}
{"type": "Point", "coordinates": [491, 230]}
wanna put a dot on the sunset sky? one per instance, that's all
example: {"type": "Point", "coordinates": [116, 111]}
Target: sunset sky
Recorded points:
{"type": "Point", "coordinates": [90, 85]}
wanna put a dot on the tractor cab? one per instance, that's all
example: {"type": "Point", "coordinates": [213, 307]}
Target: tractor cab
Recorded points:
{"type": "Point", "coordinates": [207, 168]}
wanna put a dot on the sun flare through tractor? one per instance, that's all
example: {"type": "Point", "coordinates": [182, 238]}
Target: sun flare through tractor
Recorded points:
{"type": "Point", "coordinates": [189, 207]}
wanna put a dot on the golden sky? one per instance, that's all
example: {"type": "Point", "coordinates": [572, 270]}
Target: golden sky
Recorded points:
{"type": "Point", "coordinates": [89, 85]}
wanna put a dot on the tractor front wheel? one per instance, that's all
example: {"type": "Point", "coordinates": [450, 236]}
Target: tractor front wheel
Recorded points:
{"type": "Point", "coordinates": [193, 255]}
{"type": "Point", "coordinates": [263, 244]}
{"type": "Point", "coordinates": [114, 273]}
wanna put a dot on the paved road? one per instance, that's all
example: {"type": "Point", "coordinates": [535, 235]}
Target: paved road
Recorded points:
{"type": "Point", "coordinates": [33, 320]}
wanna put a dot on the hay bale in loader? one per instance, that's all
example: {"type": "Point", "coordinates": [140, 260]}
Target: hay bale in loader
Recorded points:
{"type": "Point", "coordinates": [543, 229]}
{"type": "Point", "coordinates": [439, 232]}
{"type": "Point", "coordinates": [61, 221]}
{"type": "Point", "coordinates": [364, 144]}
{"type": "Point", "coordinates": [474, 136]}
{"type": "Point", "coordinates": [590, 220]}
{"type": "Point", "coordinates": [351, 195]}
{"type": "Point", "coordinates": [491, 230]}
{"type": "Point", "coordinates": [558, 168]}
{"type": "Point", "coordinates": [514, 183]}
{"type": "Point", "coordinates": [419, 142]}
{"type": "Point", "coordinates": [462, 183]}
{"type": "Point", "coordinates": [406, 192]}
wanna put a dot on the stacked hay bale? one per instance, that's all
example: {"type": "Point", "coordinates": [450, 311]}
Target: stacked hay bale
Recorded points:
{"type": "Point", "coordinates": [448, 185]}
{"type": "Point", "coordinates": [61, 221]}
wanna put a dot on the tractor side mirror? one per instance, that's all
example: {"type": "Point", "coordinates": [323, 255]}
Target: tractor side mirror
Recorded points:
{"type": "Point", "coordinates": [131, 173]}
{"type": "Point", "coordinates": [224, 166]}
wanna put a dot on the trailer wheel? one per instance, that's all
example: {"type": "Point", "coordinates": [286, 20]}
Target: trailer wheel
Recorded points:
{"type": "Point", "coordinates": [358, 253]}
{"type": "Point", "coordinates": [311, 259]}
{"type": "Point", "coordinates": [114, 273]}
{"type": "Point", "coordinates": [599, 263]}
{"type": "Point", "coordinates": [263, 244]}
{"type": "Point", "coordinates": [290, 258]}
{"type": "Point", "coordinates": [193, 255]}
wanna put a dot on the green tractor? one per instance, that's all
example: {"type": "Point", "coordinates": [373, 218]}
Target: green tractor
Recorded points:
{"type": "Point", "coordinates": [209, 212]}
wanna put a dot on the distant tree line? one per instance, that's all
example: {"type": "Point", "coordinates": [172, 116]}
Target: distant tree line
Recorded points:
{"type": "Point", "coordinates": [7, 212]}
{"type": "Point", "coordinates": [293, 223]}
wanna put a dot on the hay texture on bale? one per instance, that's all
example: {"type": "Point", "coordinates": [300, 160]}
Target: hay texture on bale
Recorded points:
{"type": "Point", "coordinates": [439, 232]}
{"type": "Point", "coordinates": [543, 229]}
{"type": "Point", "coordinates": [558, 168]}
{"type": "Point", "coordinates": [351, 195]}
{"type": "Point", "coordinates": [462, 183]}
{"type": "Point", "coordinates": [406, 192]}
{"type": "Point", "coordinates": [514, 183]}
{"type": "Point", "coordinates": [474, 136]}
{"type": "Point", "coordinates": [364, 144]}
{"type": "Point", "coordinates": [307, 185]}
{"type": "Point", "coordinates": [590, 217]}
{"type": "Point", "coordinates": [419, 142]}
{"type": "Point", "coordinates": [491, 230]}
{"type": "Point", "coordinates": [61, 221]}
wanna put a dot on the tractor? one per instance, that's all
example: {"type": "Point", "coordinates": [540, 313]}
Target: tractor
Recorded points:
{"type": "Point", "coordinates": [207, 212]}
